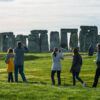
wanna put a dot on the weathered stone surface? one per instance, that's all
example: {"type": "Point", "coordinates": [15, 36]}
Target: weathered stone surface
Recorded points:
{"type": "Point", "coordinates": [21, 38]}
{"type": "Point", "coordinates": [7, 40]}
{"type": "Point", "coordinates": [73, 38]}
{"type": "Point", "coordinates": [34, 42]}
{"type": "Point", "coordinates": [54, 40]}
{"type": "Point", "coordinates": [38, 41]}
{"type": "Point", "coordinates": [98, 38]}
{"type": "Point", "coordinates": [88, 36]}
{"type": "Point", "coordinates": [90, 50]}
{"type": "Point", "coordinates": [44, 47]}
{"type": "Point", "coordinates": [64, 40]}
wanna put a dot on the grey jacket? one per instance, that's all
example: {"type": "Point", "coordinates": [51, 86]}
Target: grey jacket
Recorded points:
{"type": "Point", "coordinates": [19, 55]}
{"type": "Point", "coordinates": [56, 61]}
{"type": "Point", "coordinates": [76, 63]}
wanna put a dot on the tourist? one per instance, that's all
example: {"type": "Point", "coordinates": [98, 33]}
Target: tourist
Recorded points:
{"type": "Point", "coordinates": [19, 60]}
{"type": "Point", "coordinates": [97, 74]}
{"type": "Point", "coordinates": [9, 60]}
{"type": "Point", "coordinates": [90, 50]}
{"type": "Point", "coordinates": [76, 67]}
{"type": "Point", "coordinates": [56, 67]}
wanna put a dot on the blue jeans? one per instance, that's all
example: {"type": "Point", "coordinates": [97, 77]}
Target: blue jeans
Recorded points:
{"type": "Point", "coordinates": [10, 76]}
{"type": "Point", "coordinates": [58, 76]}
{"type": "Point", "coordinates": [19, 68]}
{"type": "Point", "coordinates": [76, 75]}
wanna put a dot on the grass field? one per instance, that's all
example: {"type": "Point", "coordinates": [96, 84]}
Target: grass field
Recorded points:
{"type": "Point", "coordinates": [37, 68]}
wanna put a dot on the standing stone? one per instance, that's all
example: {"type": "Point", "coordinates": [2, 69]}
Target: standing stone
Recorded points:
{"type": "Point", "coordinates": [64, 40]}
{"type": "Point", "coordinates": [21, 38]}
{"type": "Point", "coordinates": [98, 39]}
{"type": "Point", "coordinates": [54, 40]}
{"type": "Point", "coordinates": [44, 41]}
{"type": "Point", "coordinates": [34, 42]}
{"type": "Point", "coordinates": [90, 51]}
{"type": "Point", "coordinates": [3, 42]}
{"type": "Point", "coordinates": [88, 36]}
{"type": "Point", "coordinates": [11, 40]}
{"type": "Point", "coordinates": [74, 39]}
{"type": "Point", "coordinates": [6, 41]}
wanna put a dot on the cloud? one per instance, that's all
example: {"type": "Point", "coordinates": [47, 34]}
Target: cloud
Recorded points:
{"type": "Point", "coordinates": [5, 0]}
{"type": "Point", "coordinates": [49, 14]}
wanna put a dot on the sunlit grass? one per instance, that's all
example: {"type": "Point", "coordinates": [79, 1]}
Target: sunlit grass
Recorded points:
{"type": "Point", "coordinates": [37, 68]}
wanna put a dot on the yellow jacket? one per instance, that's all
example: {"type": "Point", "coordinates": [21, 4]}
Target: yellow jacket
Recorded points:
{"type": "Point", "coordinates": [10, 62]}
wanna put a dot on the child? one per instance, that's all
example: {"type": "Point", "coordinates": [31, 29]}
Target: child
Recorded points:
{"type": "Point", "coordinates": [9, 60]}
{"type": "Point", "coordinates": [97, 74]}
{"type": "Point", "coordinates": [76, 67]}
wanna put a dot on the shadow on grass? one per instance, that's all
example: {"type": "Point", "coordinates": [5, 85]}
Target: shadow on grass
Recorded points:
{"type": "Point", "coordinates": [30, 57]}
{"type": "Point", "coordinates": [43, 83]}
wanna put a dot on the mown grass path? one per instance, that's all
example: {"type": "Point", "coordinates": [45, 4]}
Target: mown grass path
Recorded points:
{"type": "Point", "coordinates": [37, 69]}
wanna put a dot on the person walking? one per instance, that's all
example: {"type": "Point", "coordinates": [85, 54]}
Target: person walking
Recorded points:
{"type": "Point", "coordinates": [76, 67]}
{"type": "Point", "coordinates": [56, 67]}
{"type": "Point", "coordinates": [97, 74]}
{"type": "Point", "coordinates": [19, 60]}
{"type": "Point", "coordinates": [9, 60]}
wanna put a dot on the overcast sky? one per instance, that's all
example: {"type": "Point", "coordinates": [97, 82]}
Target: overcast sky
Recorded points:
{"type": "Point", "coordinates": [21, 16]}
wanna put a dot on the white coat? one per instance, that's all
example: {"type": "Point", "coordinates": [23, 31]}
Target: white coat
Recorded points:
{"type": "Point", "coordinates": [56, 61]}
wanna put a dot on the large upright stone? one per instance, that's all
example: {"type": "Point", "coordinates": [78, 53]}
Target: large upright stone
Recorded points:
{"type": "Point", "coordinates": [44, 41]}
{"type": "Point", "coordinates": [64, 40]}
{"type": "Point", "coordinates": [98, 39]}
{"type": "Point", "coordinates": [3, 42]}
{"type": "Point", "coordinates": [11, 40]}
{"type": "Point", "coordinates": [21, 38]}
{"type": "Point", "coordinates": [6, 41]}
{"type": "Point", "coordinates": [88, 36]}
{"type": "Point", "coordinates": [74, 38]}
{"type": "Point", "coordinates": [54, 40]}
{"type": "Point", "coordinates": [34, 41]}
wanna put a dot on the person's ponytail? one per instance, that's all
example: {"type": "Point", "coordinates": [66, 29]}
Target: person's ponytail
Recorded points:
{"type": "Point", "coordinates": [54, 52]}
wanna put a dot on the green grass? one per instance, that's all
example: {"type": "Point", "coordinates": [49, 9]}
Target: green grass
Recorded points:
{"type": "Point", "coordinates": [37, 68]}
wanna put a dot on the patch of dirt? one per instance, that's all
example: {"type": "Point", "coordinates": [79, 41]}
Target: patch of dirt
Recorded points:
{"type": "Point", "coordinates": [70, 56]}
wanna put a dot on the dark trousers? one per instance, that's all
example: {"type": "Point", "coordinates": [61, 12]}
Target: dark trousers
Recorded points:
{"type": "Point", "coordinates": [19, 68]}
{"type": "Point", "coordinates": [10, 76]}
{"type": "Point", "coordinates": [58, 76]}
{"type": "Point", "coordinates": [76, 75]}
{"type": "Point", "coordinates": [96, 77]}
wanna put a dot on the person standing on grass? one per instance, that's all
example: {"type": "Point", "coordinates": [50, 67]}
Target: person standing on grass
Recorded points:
{"type": "Point", "coordinates": [76, 67]}
{"type": "Point", "coordinates": [9, 60]}
{"type": "Point", "coordinates": [19, 60]}
{"type": "Point", "coordinates": [56, 67]}
{"type": "Point", "coordinates": [97, 74]}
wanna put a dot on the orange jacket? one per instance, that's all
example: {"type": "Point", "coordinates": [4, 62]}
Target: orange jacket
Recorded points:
{"type": "Point", "coordinates": [10, 62]}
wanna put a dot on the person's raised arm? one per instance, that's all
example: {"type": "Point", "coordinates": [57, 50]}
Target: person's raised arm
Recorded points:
{"type": "Point", "coordinates": [25, 48]}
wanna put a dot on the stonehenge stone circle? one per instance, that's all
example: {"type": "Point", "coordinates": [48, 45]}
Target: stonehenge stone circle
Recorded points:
{"type": "Point", "coordinates": [38, 39]}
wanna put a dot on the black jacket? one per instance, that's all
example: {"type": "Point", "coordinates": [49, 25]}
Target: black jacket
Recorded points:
{"type": "Point", "coordinates": [76, 63]}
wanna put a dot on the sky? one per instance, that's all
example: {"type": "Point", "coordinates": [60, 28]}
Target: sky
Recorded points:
{"type": "Point", "coordinates": [22, 16]}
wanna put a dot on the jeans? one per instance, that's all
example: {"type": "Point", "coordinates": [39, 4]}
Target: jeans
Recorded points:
{"type": "Point", "coordinates": [58, 76]}
{"type": "Point", "coordinates": [19, 68]}
{"type": "Point", "coordinates": [96, 77]}
{"type": "Point", "coordinates": [76, 75]}
{"type": "Point", "coordinates": [10, 76]}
